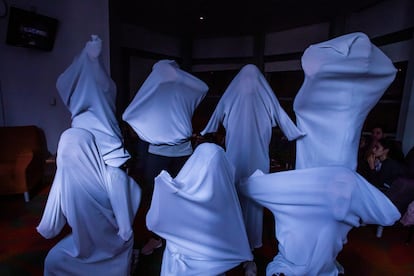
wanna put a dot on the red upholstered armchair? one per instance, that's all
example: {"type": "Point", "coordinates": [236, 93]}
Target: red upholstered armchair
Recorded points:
{"type": "Point", "coordinates": [22, 159]}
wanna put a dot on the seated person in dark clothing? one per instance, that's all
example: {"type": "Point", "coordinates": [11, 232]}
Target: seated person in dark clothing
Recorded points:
{"type": "Point", "coordinates": [384, 168]}
{"type": "Point", "coordinates": [368, 142]}
{"type": "Point", "coordinates": [401, 192]}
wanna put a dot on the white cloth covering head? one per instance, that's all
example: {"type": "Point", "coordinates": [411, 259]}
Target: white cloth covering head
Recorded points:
{"type": "Point", "coordinates": [89, 93]}
{"type": "Point", "coordinates": [344, 78]}
{"type": "Point", "coordinates": [314, 209]}
{"type": "Point", "coordinates": [162, 110]}
{"type": "Point", "coordinates": [248, 111]}
{"type": "Point", "coordinates": [199, 215]}
{"type": "Point", "coordinates": [98, 202]}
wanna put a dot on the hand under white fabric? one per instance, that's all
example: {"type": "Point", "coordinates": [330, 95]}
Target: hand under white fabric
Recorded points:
{"type": "Point", "coordinates": [98, 202]}
{"type": "Point", "coordinates": [199, 215]}
{"type": "Point", "coordinates": [90, 94]}
{"type": "Point", "coordinates": [248, 111]}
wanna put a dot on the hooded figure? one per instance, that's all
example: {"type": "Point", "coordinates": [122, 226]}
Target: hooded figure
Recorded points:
{"type": "Point", "coordinates": [161, 115]}
{"type": "Point", "coordinates": [162, 110]}
{"type": "Point", "coordinates": [199, 215]}
{"type": "Point", "coordinates": [316, 205]}
{"type": "Point", "coordinates": [98, 202]}
{"type": "Point", "coordinates": [89, 93]}
{"type": "Point", "coordinates": [248, 111]}
{"type": "Point", "coordinates": [344, 79]}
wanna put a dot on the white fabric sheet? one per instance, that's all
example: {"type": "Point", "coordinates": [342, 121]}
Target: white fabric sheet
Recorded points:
{"type": "Point", "coordinates": [98, 202]}
{"type": "Point", "coordinates": [162, 110]}
{"type": "Point", "coordinates": [89, 93]}
{"type": "Point", "coordinates": [248, 110]}
{"type": "Point", "coordinates": [344, 78]}
{"type": "Point", "coordinates": [199, 215]}
{"type": "Point", "coordinates": [316, 205]}
{"type": "Point", "coordinates": [314, 209]}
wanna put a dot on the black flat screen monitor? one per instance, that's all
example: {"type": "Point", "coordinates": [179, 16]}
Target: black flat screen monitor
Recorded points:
{"type": "Point", "coordinates": [31, 30]}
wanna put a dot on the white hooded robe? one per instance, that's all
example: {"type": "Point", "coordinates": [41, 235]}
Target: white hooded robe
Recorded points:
{"type": "Point", "coordinates": [98, 202]}
{"type": "Point", "coordinates": [89, 93]}
{"type": "Point", "coordinates": [248, 111]}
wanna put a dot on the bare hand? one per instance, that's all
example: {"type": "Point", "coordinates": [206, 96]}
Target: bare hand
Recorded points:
{"type": "Point", "coordinates": [371, 161]}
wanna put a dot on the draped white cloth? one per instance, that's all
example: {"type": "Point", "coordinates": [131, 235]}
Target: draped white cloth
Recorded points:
{"type": "Point", "coordinates": [98, 202]}
{"type": "Point", "coordinates": [316, 205]}
{"type": "Point", "coordinates": [344, 79]}
{"type": "Point", "coordinates": [199, 215]}
{"type": "Point", "coordinates": [248, 110]}
{"type": "Point", "coordinates": [89, 93]}
{"type": "Point", "coordinates": [162, 110]}
{"type": "Point", "coordinates": [314, 209]}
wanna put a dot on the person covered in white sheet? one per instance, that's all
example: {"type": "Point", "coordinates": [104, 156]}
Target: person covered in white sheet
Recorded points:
{"type": "Point", "coordinates": [89, 93]}
{"type": "Point", "coordinates": [314, 210]}
{"type": "Point", "coordinates": [161, 115]}
{"type": "Point", "coordinates": [318, 203]}
{"type": "Point", "coordinates": [344, 79]}
{"type": "Point", "coordinates": [249, 110]}
{"type": "Point", "coordinates": [202, 222]}
{"type": "Point", "coordinates": [98, 202]}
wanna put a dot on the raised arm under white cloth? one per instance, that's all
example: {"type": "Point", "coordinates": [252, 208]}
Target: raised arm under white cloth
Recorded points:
{"type": "Point", "coordinates": [90, 94]}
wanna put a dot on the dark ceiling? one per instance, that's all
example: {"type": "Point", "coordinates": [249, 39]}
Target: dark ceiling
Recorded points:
{"type": "Point", "coordinates": [232, 17]}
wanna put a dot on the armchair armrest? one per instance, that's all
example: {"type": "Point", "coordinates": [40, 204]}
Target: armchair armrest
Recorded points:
{"type": "Point", "coordinates": [21, 164]}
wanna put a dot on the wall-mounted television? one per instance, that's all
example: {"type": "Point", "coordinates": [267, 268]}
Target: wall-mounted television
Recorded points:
{"type": "Point", "coordinates": [31, 30]}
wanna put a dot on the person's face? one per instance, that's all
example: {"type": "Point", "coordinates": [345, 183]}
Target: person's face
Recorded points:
{"type": "Point", "coordinates": [379, 151]}
{"type": "Point", "coordinates": [94, 47]}
{"type": "Point", "coordinates": [377, 133]}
